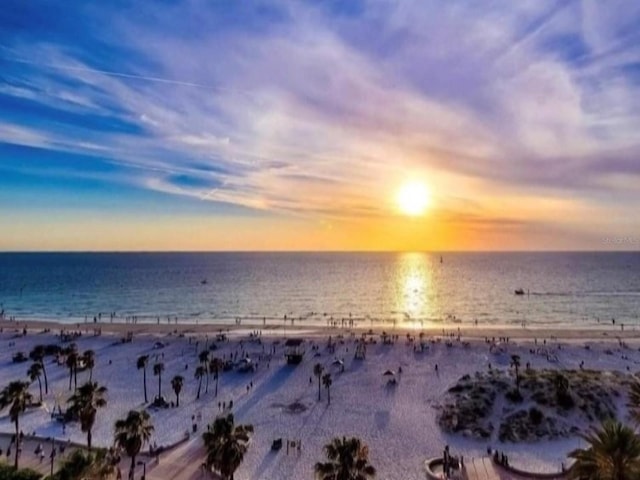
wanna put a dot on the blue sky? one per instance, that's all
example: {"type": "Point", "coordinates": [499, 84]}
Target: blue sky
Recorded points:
{"type": "Point", "coordinates": [293, 123]}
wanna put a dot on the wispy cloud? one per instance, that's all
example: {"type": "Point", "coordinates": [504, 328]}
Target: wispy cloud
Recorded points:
{"type": "Point", "coordinates": [309, 109]}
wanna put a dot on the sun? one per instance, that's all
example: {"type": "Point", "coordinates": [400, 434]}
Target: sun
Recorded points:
{"type": "Point", "coordinates": [413, 198]}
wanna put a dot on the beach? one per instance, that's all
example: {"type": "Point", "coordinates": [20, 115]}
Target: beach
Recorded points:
{"type": "Point", "coordinates": [399, 424]}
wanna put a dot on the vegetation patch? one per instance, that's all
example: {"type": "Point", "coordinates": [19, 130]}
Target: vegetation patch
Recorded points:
{"type": "Point", "coordinates": [538, 405]}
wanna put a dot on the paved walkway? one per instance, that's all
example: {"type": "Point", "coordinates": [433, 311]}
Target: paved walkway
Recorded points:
{"type": "Point", "coordinates": [181, 463]}
{"type": "Point", "coordinates": [481, 469]}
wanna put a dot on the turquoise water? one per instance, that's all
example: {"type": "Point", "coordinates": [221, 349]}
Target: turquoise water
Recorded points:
{"type": "Point", "coordinates": [565, 289]}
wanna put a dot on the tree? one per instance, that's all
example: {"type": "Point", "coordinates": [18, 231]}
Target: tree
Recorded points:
{"type": "Point", "coordinates": [72, 365]}
{"type": "Point", "coordinates": [317, 371]}
{"type": "Point", "coordinates": [226, 445]}
{"type": "Point", "coordinates": [142, 362]}
{"type": "Point", "coordinates": [613, 454]}
{"type": "Point", "coordinates": [326, 381]}
{"type": "Point", "coordinates": [563, 395]}
{"type": "Point", "coordinates": [37, 355]}
{"type": "Point", "coordinates": [348, 460]}
{"type": "Point", "coordinates": [35, 373]}
{"type": "Point", "coordinates": [634, 401]}
{"type": "Point", "coordinates": [199, 373]}
{"type": "Point", "coordinates": [176, 384]}
{"type": "Point", "coordinates": [131, 435]}
{"type": "Point", "coordinates": [16, 396]}
{"type": "Point", "coordinates": [515, 363]}
{"type": "Point", "coordinates": [89, 359]}
{"type": "Point", "coordinates": [158, 368]}
{"type": "Point", "coordinates": [215, 365]}
{"type": "Point", "coordinates": [85, 403]}
{"type": "Point", "coordinates": [204, 361]}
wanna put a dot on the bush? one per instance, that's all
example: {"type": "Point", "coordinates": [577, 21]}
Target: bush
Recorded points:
{"type": "Point", "coordinates": [19, 357]}
{"type": "Point", "coordinates": [566, 401]}
{"type": "Point", "coordinates": [514, 396]}
{"type": "Point", "coordinates": [9, 473]}
{"type": "Point", "coordinates": [160, 402]}
{"type": "Point", "coordinates": [80, 464]}
{"type": "Point", "coordinates": [535, 416]}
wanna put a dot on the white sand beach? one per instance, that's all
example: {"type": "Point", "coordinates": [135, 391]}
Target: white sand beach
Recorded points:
{"type": "Point", "coordinates": [398, 423]}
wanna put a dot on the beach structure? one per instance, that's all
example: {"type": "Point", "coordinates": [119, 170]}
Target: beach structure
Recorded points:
{"type": "Point", "coordinates": [294, 350]}
{"type": "Point", "coordinates": [481, 469]}
{"type": "Point", "coordinates": [361, 351]}
{"type": "Point", "coordinates": [245, 365]}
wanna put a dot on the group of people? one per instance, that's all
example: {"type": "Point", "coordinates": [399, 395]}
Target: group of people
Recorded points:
{"type": "Point", "coordinates": [450, 463]}
{"type": "Point", "coordinates": [500, 458]}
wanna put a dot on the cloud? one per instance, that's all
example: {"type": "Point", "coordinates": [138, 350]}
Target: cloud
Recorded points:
{"type": "Point", "coordinates": [309, 110]}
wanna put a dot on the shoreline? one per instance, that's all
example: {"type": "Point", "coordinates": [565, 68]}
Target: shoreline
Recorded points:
{"type": "Point", "coordinates": [298, 330]}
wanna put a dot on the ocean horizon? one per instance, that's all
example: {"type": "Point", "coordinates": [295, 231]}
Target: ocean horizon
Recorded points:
{"type": "Point", "coordinates": [405, 289]}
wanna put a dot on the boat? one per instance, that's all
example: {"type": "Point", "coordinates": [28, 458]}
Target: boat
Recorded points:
{"type": "Point", "coordinates": [519, 291]}
{"type": "Point", "coordinates": [204, 282]}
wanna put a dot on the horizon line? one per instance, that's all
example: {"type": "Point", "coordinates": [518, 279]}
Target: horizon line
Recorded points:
{"type": "Point", "coordinates": [2, 252]}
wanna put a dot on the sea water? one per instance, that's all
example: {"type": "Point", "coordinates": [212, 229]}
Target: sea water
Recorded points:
{"type": "Point", "coordinates": [568, 290]}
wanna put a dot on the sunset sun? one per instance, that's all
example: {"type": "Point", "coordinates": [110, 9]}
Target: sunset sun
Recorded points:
{"type": "Point", "coordinates": [413, 198]}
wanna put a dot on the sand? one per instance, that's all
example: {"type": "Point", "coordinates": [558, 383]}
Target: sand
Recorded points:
{"type": "Point", "coordinates": [398, 424]}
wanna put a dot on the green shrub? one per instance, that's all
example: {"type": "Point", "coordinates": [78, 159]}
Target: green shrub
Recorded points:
{"type": "Point", "coordinates": [9, 473]}
{"type": "Point", "coordinates": [535, 416]}
{"type": "Point", "coordinates": [514, 396]}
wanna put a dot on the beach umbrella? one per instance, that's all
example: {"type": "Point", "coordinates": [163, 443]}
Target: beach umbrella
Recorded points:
{"type": "Point", "coordinates": [338, 362]}
{"type": "Point", "coordinates": [389, 373]}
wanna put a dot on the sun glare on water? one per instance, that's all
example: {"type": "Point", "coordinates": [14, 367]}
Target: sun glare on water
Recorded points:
{"type": "Point", "coordinates": [413, 198]}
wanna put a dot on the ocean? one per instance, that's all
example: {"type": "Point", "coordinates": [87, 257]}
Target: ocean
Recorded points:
{"type": "Point", "coordinates": [568, 290]}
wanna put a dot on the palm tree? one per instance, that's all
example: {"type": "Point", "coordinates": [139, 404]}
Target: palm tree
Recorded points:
{"type": "Point", "coordinates": [37, 355]}
{"type": "Point", "coordinates": [35, 373]}
{"type": "Point", "coordinates": [158, 368]}
{"type": "Point", "coordinates": [317, 371]}
{"type": "Point", "coordinates": [563, 394]}
{"type": "Point", "coordinates": [634, 401]}
{"type": "Point", "coordinates": [326, 381]}
{"type": "Point", "coordinates": [204, 361]}
{"type": "Point", "coordinates": [89, 359]}
{"type": "Point", "coordinates": [226, 445]}
{"type": "Point", "coordinates": [199, 373]}
{"type": "Point", "coordinates": [85, 403]}
{"type": "Point", "coordinates": [176, 384]}
{"type": "Point", "coordinates": [613, 454]}
{"type": "Point", "coordinates": [143, 360]}
{"type": "Point", "coordinates": [348, 460]}
{"type": "Point", "coordinates": [16, 396]}
{"type": "Point", "coordinates": [131, 435]}
{"type": "Point", "coordinates": [215, 365]}
{"type": "Point", "coordinates": [72, 365]}
{"type": "Point", "coordinates": [515, 363]}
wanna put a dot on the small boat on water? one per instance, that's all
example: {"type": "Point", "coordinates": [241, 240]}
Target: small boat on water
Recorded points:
{"type": "Point", "coordinates": [519, 291]}
{"type": "Point", "coordinates": [204, 282]}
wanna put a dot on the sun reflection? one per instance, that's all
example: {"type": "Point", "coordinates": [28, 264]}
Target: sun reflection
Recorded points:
{"type": "Point", "coordinates": [414, 289]}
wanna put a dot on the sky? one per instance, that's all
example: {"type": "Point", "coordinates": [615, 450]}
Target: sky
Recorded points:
{"type": "Point", "coordinates": [291, 125]}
